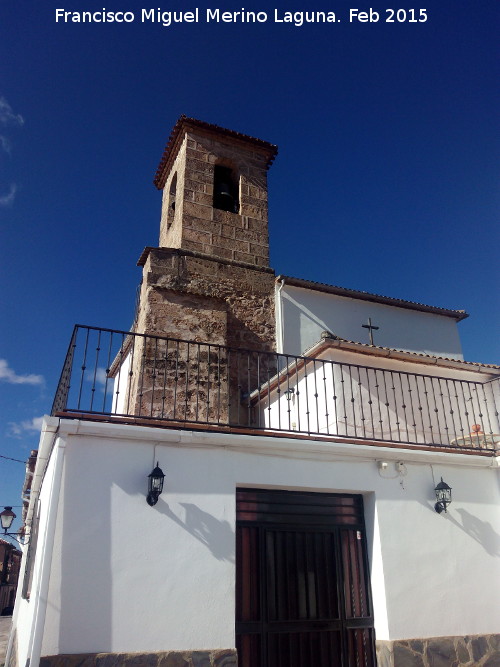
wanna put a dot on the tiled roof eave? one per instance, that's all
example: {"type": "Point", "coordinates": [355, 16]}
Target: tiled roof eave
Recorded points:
{"type": "Point", "coordinates": [401, 355]}
{"type": "Point", "coordinates": [185, 123]}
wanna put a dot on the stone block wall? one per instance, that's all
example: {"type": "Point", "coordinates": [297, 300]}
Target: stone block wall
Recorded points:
{"type": "Point", "coordinates": [171, 219]}
{"type": "Point", "coordinates": [467, 651]}
{"type": "Point", "coordinates": [196, 224]}
{"type": "Point", "coordinates": [214, 658]}
{"type": "Point", "coordinates": [180, 381]}
{"type": "Point", "coordinates": [197, 297]}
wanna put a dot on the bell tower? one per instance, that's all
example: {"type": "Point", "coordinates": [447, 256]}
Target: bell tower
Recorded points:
{"type": "Point", "coordinates": [214, 184]}
{"type": "Point", "coordinates": [209, 281]}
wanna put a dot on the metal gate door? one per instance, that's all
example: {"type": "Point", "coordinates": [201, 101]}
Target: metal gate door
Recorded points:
{"type": "Point", "coordinates": [302, 582]}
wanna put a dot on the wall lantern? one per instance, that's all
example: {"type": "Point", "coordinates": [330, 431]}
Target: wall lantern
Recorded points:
{"type": "Point", "coordinates": [155, 485]}
{"type": "Point", "coordinates": [7, 517]}
{"type": "Point", "coordinates": [443, 496]}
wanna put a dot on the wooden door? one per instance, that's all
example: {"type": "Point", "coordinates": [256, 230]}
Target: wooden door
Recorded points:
{"type": "Point", "coordinates": [302, 582]}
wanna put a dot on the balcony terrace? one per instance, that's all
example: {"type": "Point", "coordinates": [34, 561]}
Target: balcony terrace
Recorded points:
{"type": "Point", "coordinates": [391, 398]}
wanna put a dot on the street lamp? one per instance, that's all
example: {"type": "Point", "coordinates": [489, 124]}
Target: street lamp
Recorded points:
{"type": "Point", "coordinates": [443, 496]}
{"type": "Point", "coordinates": [155, 485]}
{"type": "Point", "coordinates": [6, 518]}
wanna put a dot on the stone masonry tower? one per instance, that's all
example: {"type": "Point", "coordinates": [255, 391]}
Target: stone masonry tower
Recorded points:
{"type": "Point", "coordinates": [209, 280]}
{"type": "Point", "coordinates": [230, 222]}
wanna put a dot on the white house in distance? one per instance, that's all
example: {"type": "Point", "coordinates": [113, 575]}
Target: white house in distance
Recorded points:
{"type": "Point", "coordinates": [309, 436]}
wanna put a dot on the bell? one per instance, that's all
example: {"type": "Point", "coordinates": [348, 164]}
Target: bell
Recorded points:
{"type": "Point", "coordinates": [223, 191]}
{"type": "Point", "coordinates": [223, 197]}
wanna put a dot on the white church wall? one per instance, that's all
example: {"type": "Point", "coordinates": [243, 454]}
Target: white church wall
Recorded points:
{"type": "Point", "coordinates": [121, 398]}
{"type": "Point", "coordinates": [29, 614]}
{"type": "Point", "coordinates": [303, 314]}
{"type": "Point", "coordinates": [120, 561]}
{"type": "Point", "coordinates": [442, 571]}
{"type": "Point", "coordinates": [139, 578]}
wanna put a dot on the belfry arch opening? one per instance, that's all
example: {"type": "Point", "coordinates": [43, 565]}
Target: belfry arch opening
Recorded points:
{"type": "Point", "coordinates": [226, 189]}
{"type": "Point", "coordinates": [172, 194]}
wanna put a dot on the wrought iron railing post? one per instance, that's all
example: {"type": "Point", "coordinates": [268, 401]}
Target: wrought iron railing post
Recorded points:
{"type": "Point", "coordinates": [62, 392]}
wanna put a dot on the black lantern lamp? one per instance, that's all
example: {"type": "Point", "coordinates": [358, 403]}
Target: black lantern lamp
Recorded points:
{"type": "Point", "coordinates": [443, 496]}
{"type": "Point", "coordinates": [7, 517]}
{"type": "Point", "coordinates": [155, 485]}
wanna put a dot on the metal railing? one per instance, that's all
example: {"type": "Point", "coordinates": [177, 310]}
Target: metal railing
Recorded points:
{"type": "Point", "coordinates": [123, 374]}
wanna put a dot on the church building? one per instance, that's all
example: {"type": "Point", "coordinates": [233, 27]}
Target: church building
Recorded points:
{"type": "Point", "coordinates": [264, 471]}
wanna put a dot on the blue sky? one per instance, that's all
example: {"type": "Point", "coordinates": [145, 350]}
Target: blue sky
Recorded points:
{"type": "Point", "coordinates": [386, 178]}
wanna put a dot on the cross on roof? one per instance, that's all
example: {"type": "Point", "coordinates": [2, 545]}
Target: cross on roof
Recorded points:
{"type": "Point", "coordinates": [371, 328]}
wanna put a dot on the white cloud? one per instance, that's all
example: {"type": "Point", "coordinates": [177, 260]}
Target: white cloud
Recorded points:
{"type": "Point", "coordinates": [34, 425]}
{"type": "Point", "coordinates": [100, 376]}
{"type": "Point", "coordinates": [29, 425]}
{"type": "Point", "coordinates": [7, 116]}
{"type": "Point", "coordinates": [8, 199]}
{"type": "Point", "coordinates": [7, 374]}
{"type": "Point", "coordinates": [5, 144]}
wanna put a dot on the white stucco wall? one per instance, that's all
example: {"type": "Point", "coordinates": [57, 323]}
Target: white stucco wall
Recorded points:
{"type": "Point", "coordinates": [28, 618]}
{"type": "Point", "coordinates": [303, 314]}
{"type": "Point", "coordinates": [121, 398]}
{"type": "Point", "coordinates": [139, 578]}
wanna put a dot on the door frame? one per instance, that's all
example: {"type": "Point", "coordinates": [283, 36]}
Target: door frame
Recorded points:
{"type": "Point", "coordinates": [339, 515]}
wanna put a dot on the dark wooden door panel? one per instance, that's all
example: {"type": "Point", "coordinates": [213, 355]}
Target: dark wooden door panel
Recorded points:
{"type": "Point", "coordinates": [300, 575]}
{"type": "Point", "coordinates": [248, 590]}
{"type": "Point", "coordinates": [304, 649]}
{"type": "Point", "coordinates": [360, 648]}
{"type": "Point", "coordinates": [249, 650]}
{"type": "Point", "coordinates": [302, 587]}
{"type": "Point", "coordinates": [354, 574]}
